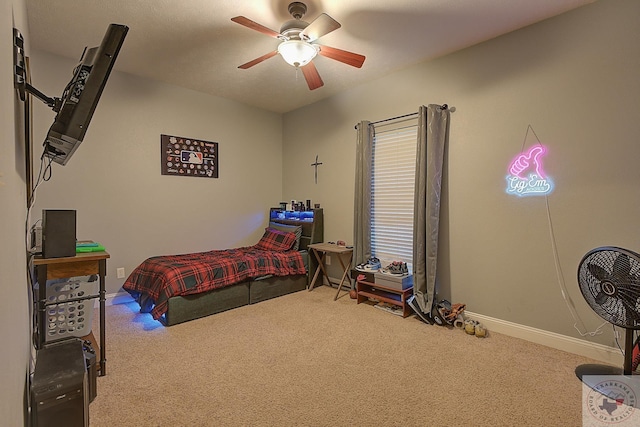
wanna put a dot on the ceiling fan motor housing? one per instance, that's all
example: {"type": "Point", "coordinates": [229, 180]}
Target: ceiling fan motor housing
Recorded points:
{"type": "Point", "coordinates": [297, 9]}
{"type": "Point", "coordinates": [292, 28]}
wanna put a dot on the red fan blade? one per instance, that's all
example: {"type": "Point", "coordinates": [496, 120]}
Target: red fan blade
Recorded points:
{"type": "Point", "coordinates": [258, 60]}
{"type": "Point", "coordinates": [320, 26]}
{"type": "Point", "coordinates": [312, 76]}
{"type": "Point", "coordinates": [348, 58]}
{"type": "Point", "coordinates": [255, 26]}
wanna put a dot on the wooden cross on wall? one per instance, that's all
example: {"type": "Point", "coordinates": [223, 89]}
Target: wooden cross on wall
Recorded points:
{"type": "Point", "coordinates": [316, 164]}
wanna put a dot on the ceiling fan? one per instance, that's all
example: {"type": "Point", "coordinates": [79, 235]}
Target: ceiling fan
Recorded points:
{"type": "Point", "coordinates": [298, 47]}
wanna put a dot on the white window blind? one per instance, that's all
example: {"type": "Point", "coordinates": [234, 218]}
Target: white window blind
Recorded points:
{"type": "Point", "coordinates": [392, 186]}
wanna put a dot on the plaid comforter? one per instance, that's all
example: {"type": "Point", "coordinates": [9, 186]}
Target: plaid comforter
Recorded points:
{"type": "Point", "coordinates": [159, 278]}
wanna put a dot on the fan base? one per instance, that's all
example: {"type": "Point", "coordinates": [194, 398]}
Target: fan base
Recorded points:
{"type": "Point", "coordinates": [584, 371]}
{"type": "Point", "coordinates": [596, 369]}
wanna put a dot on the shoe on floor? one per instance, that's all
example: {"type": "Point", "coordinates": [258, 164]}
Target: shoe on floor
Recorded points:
{"type": "Point", "coordinates": [414, 305]}
{"type": "Point", "coordinates": [481, 331]}
{"type": "Point", "coordinates": [470, 326]}
{"type": "Point", "coordinates": [444, 310]}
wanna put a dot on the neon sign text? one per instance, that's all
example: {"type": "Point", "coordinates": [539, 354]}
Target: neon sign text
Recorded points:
{"type": "Point", "coordinates": [526, 174]}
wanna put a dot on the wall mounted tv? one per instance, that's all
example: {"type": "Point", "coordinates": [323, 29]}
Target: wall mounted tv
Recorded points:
{"type": "Point", "coordinates": [80, 97]}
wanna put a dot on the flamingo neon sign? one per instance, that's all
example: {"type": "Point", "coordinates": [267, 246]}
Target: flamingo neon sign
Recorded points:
{"type": "Point", "coordinates": [526, 175]}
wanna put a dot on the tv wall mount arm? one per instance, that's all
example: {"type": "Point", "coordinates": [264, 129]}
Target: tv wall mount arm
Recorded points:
{"type": "Point", "coordinates": [20, 74]}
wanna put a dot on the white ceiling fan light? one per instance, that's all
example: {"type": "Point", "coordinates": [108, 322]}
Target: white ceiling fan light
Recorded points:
{"type": "Point", "coordinates": [296, 49]}
{"type": "Point", "coordinates": [297, 52]}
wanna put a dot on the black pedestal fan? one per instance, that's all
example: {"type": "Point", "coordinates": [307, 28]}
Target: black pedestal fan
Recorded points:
{"type": "Point", "coordinates": [609, 279]}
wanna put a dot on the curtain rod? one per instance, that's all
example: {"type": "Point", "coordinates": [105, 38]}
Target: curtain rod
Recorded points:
{"type": "Point", "coordinates": [443, 107]}
{"type": "Point", "coordinates": [395, 118]}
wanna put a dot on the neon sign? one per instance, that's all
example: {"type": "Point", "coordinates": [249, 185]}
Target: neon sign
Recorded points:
{"type": "Point", "coordinates": [526, 174]}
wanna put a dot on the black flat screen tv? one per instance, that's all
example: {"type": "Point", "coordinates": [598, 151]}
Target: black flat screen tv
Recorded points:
{"type": "Point", "coordinates": [78, 102]}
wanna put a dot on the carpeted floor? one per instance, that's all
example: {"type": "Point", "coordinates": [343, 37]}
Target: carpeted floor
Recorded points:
{"type": "Point", "coordinates": [306, 360]}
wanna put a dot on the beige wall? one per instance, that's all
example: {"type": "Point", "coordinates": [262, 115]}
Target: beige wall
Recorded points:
{"type": "Point", "coordinates": [574, 79]}
{"type": "Point", "coordinates": [14, 304]}
{"type": "Point", "coordinates": [114, 183]}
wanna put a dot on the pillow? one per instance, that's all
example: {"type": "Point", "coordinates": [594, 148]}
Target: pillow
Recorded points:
{"type": "Point", "coordinates": [274, 240]}
{"type": "Point", "coordinates": [295, 229]}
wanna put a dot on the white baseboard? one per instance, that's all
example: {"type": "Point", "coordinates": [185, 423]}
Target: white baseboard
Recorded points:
{"type": "Point", "coordinates": [595, 351]}
{"type": "Point", "coordinates": [584, 348]}
{"type": "Point", "coordinates": [602, 353]}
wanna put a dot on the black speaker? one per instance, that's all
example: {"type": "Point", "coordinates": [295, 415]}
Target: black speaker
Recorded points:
{"type": "Point", "coordinates": [58, 233]}
{"type": "Point", "coordinates": [59, 387]}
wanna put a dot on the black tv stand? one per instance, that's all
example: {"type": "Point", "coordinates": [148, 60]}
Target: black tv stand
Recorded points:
{"type": "Point", "coordinates": [54, 103]}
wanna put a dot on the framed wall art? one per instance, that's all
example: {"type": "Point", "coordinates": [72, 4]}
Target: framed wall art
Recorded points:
{"type": "Point", "coordinates": [188, 157]}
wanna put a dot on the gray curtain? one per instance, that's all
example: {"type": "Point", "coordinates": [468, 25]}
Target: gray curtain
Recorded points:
{"type": "Point", "coordinates": [362, 196]}
{"type": "Point", "coordinates": [432, 139]}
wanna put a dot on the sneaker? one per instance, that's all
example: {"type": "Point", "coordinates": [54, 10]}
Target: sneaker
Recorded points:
{"type": "Point", "coordinates": [444, 309]}
{"type": "Point", "coordinates": [372, 264]}
{"type": "Point", "coordinates": [481, 331]}
{"type": "Point", "coordinates": [437, 318]}
{"type": "Point", "coordinates": [396, 268]}
{"type": "Point", "coordinates": [470, 326]}
{"type": "Point", "coordinates": [414, 305]}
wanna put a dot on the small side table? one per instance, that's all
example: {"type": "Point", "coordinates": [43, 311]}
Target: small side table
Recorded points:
{"type": "Point", "coordinates": [320, 251]}
{"type": "Point", "coordinates": [82, 264]}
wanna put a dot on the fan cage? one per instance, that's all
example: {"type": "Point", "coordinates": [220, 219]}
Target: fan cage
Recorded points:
{"type": "Point", "coordinates": [609, 279]}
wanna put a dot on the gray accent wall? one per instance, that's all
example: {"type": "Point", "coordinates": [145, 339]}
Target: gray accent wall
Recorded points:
{"type": "Point", "coordinates": [574, 79]}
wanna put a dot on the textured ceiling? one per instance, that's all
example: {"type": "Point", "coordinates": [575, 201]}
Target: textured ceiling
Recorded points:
{"type": "Point", "coordinates": [194, 43]}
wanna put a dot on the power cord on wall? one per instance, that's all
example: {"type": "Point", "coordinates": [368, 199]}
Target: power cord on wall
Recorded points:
{"type": "Point", "coordinates": [616, 336]}
{"type": "Point", "coordinates": [563, 288]}
{"type": "Point", "coordinates": [578, 324]}
{"type": "Point", "coordinates": [44, 174]}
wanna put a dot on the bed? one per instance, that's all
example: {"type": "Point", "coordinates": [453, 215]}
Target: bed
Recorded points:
{"type": "Point", "coordinates": [179, 288]}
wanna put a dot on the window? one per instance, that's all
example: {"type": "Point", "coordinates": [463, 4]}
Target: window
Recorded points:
{"type": "Point", "coordinates": [392, 187]}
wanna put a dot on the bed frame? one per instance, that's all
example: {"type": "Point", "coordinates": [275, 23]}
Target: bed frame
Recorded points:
{"type": "Point", "coordinates": [189, 307]}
